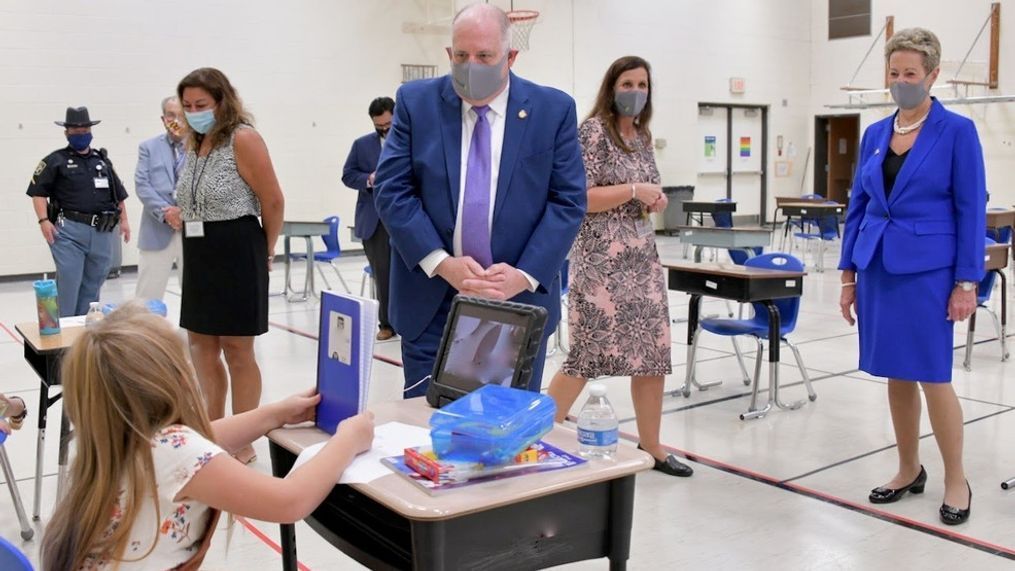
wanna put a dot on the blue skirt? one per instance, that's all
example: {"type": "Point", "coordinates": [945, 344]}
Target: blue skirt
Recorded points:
{"type": "Point", "coordinates": [903, 322]}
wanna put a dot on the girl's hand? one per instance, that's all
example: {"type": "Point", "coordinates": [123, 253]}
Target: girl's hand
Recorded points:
{"type": "Point", "coordinates": [358, 431]}
{"type": "Point", "coordinates": [298, 408]}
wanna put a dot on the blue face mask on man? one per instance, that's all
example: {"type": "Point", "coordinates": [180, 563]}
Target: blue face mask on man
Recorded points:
{"type": "Point", "coordinates": [201, 121]}
{"type": "Point", "coordinates": [80, 141]}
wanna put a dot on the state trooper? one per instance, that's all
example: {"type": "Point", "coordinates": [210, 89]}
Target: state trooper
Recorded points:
{"type": "Point", "coordinates": [79, 203]}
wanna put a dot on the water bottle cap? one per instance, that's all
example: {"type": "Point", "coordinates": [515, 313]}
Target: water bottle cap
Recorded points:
{"type": "Point", "coordinates": [597, 389]}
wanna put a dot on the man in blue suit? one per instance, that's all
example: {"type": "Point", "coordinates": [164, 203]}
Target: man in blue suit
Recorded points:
{"type": "Point", "coordinates": [358, 174]}
{"type": "Point", "coordinates": [482, 187]}
{"type": "Point", "coordinates": [160, 161]}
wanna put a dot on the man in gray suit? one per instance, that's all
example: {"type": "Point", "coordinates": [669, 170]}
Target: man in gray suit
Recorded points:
{"type": "Point", "coordinates": [159, 163]}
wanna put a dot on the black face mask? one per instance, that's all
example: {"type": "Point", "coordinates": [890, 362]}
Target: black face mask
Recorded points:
{"type": "Point", "coordinates": [382, 132]}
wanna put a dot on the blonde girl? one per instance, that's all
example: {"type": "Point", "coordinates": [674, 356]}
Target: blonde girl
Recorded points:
{"type": "Point", "coordinates": [150, 475]}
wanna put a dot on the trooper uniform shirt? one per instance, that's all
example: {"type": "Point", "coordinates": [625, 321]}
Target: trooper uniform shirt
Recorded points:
{"type": "Point", "coordinates": [82, 183]}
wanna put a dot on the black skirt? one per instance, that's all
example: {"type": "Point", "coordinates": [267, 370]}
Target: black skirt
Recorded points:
{"type": "Point", "coordinates": [225, 279]}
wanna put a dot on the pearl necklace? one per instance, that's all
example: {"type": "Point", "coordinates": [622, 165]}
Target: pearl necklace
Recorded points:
{"type": "Point", "coordinates": [909, 128]}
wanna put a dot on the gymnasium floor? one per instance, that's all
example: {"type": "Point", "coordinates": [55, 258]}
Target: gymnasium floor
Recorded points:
{"type": "Point", "coordinates": [787, 491]}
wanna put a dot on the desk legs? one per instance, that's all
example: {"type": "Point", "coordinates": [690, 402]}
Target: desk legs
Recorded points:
{"type": "Point", "coordinates": [40, 448]}
{"type": "Point", "coordinates": [1008, 484]}
{"type": "Point", "coordinates": [308, 281]}
{"type": "Point", "coordinates": [692, 345]}
{"type": "Point", "coordinates": [287, 536]}
{"type": "Point", "coordinates": [61, 473]}
{"type": "Point", "coordinates": [622, 515]}
{"type": "Point", "coordinates": [1004, 315]}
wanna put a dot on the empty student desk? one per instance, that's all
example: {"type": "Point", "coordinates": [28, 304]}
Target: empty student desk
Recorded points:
{"type": "Point", "coordinates": [743, 238]}
{"type": "Point", "coordinates": [43, 353]}
{"type": "Point", "coordinates": [527, 522]}
{"type": "Point", "coordinates": [745, 285]}
{"type": "Point", "coordinates": [694, 208]}
{"type": "Point", "coordinates": [807, 210]}
{"type": "Point", "coordinates": [306, 230]}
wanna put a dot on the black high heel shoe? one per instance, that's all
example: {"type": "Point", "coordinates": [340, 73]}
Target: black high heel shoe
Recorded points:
{"type": "Point", "coordinates": [671, 466]}
{"type": "Point", "coordinates": [881, 495]}
{"type": "Point", "coordinates": [955, 516]}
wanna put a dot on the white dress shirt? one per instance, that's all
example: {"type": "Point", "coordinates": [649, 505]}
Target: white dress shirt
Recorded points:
{"type": "Point", "coordinates": [496, 117]}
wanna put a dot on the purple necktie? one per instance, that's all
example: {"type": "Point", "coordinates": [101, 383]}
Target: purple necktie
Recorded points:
{"type": "Point", "coordinates": [476, 203]}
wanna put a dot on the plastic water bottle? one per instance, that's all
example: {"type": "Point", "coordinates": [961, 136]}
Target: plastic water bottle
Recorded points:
{"type": "Point", "coordinates": [597, 425]}
{"type": "Point", "coordinates": [94, 314]}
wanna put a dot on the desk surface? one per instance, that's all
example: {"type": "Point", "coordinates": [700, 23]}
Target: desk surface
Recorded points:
{"type": "Point", "coordinates": [783, 200]}
{"type": "Point", "coordinates": [732, 270]}
{"type": "Point", "coordinates": [708, 206]}
{"type": "Point", "coordinates": [713, 229]}
{"type": "Point", "coordinates": [1000, 218]}
{"type": "Point", "coordinates": [43, 344]}
{"type": "Point", "coordinates": [823, 205]}
{"type": "Point", "coordinates": [299, 228]}
{"type": "Point", "coordinates": [996, 257]}
{"type": "Point", "coordinates": [403, 497]}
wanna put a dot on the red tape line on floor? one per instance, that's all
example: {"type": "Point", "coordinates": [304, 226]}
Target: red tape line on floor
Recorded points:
{"type": "Point", "coordinates": [266, 540]}
{"type": "Point", "coordinates": [11, 333]}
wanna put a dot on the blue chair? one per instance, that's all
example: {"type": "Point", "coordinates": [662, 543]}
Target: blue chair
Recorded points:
{"type": "Point", "coordinates": [12, 558]}
{"type": "Point", "coordinates": [828, 231]}
{"type": "Point", "coordinates": [1000, 235]}
{"type": "Point", "coordinates": [368, 274]}
{"type": "Point", "coordinates": [332, 253]}
{"type": "Point", "coordinates": [8, 551]}
{"type": "Point", "coordinates": [757, 326]}
{"type": "Point", "coordinates": [725, 220]}
{"type": "Point", "coordinates": [983, 292]}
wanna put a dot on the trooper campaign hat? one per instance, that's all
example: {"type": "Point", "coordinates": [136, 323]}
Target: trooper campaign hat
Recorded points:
{"type": "Point", "coordinates": [77, 117]}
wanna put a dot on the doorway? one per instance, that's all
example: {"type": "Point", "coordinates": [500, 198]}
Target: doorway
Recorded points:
{"type": "Point", "coordinates": [733, 161]}
{"type": "Point", "coordinates": [836, 143]}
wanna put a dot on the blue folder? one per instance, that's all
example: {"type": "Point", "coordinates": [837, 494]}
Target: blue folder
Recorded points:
{"type": "Point", "coordinates": [344, 357]}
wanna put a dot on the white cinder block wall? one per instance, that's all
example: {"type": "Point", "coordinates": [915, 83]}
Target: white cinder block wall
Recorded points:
{"type": "Point", "coordinates": [308, 68]}
{"type": "Point", "coordinates": [956, 25]}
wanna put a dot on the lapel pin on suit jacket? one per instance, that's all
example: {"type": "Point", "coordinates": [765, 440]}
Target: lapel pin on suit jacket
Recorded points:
{"type": "Point", "coordinates": [522, 114]}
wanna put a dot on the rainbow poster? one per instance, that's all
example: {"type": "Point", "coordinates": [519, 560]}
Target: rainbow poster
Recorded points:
{"type": "Point", "coordinates": [745, 147]}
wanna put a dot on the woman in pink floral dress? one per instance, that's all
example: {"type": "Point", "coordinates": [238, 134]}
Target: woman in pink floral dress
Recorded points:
{"type": "Point", "coordinates": [619, 315]}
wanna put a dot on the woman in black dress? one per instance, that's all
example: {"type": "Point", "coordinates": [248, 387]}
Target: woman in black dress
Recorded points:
{"type": "Point", "coordinates": [227, 183]}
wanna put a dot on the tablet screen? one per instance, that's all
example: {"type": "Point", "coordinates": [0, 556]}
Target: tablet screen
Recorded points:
{"type": "Point", "coordinates": [483, 346]}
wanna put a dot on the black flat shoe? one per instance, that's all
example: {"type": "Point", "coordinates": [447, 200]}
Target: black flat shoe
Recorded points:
{"type": "Point", "coordinates": [671, 466]}
{"type": "Point", "coordinates": [955, 516]}
{"type": "Point", "coordinates": [883, 495]}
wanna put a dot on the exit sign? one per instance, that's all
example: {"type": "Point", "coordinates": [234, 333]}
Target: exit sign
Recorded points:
{"type": "Point", "coordinates": [738, 85]}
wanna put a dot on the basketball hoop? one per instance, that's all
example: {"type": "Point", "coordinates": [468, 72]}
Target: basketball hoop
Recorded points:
{"type": "Point", "coordinates": [521, 26]}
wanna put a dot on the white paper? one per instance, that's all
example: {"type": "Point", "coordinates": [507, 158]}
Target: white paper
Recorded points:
{"type": "Point", "coordinates": [390, 439]}
{"type": "Point", "coordinates": [74, 321]}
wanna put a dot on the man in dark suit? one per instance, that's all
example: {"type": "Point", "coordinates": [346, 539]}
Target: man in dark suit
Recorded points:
{"type": "Point", "coordinates": [482, 187]}
{"type": "Point", "coordinates": [359, 174]}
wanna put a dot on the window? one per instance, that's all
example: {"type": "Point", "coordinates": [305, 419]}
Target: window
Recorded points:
{"type": "Point", "coordinates": [849, 18]}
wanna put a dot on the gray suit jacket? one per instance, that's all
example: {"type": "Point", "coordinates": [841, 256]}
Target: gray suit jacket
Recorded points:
{"type": "Point", "coordinates": [155, 181]}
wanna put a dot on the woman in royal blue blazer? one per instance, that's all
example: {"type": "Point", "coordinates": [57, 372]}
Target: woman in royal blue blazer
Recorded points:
{"type": "Point", "coordinates": [912, 255]}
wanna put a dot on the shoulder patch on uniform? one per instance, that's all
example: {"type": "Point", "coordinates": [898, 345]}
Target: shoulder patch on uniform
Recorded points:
{"type": "Point", "coordinates": [40, 168]}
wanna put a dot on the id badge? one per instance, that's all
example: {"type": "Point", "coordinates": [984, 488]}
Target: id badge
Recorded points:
{"type": "Point", "coordinates": [644, 226]}
{"type": "Point", "coordinates": [194, 229]}
{"type": "Point", "coordinates": [101, 182]}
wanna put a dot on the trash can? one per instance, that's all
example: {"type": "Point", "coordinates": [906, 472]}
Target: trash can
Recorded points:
{"type": "Point", "coordinates": [674, 215]}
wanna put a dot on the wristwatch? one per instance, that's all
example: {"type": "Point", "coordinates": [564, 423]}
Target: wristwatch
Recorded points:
{"type": "Point", "coordinates": [966, 286]}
